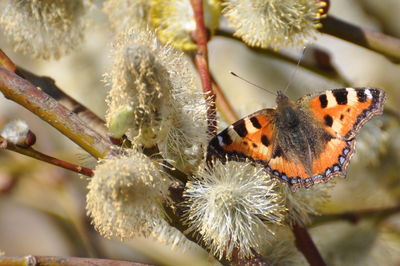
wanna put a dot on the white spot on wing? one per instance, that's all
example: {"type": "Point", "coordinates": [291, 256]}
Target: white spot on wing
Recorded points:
{"type": "Point", "coordinates": [368, 93]}
{"type": "Point", "coordinates": [234, 136]}
{"type": "Point", "coordinates": [220, 141]}
{"type": "Point", "coordinates": [351, 96]}
{"type": "Point", "coordinates": [249, 126]}
{"type": "Point", "coordinates": [331, 99]}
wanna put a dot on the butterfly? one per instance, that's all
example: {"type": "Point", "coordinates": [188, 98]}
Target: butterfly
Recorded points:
{"type": "Point", "coordinates": [304, 142]}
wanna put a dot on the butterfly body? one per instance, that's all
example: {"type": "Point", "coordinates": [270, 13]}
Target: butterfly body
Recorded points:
{"type": "Point", "coordinates": [303, 142]}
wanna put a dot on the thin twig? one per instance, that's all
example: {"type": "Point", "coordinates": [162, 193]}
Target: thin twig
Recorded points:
{"type": "Point", "coordinates": [372, 40]}
{"type": "Point", "coordinates": [24, 93]}
{"type": "Point", "coordinates": [201, 59]}
{"type": "Point", "coordinates": [355, 216]}
{"type": "Point", "coordinates": [223, 104]}
{"type": "Point", "coordinates": [4, 144]}
{"type": "Point", "coordinates": [305, 245]}
{"type": "Point", "coordinates": [59, 261]}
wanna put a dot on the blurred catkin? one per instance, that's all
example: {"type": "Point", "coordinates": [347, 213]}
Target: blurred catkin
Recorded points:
{"type": "Point", "coordinates": [274, 23]}
{"type": "Point", "coordinates": [44, 28]}
{"type": "Point", "coordinates": [303, 203]}
{"type": "Point", "coordinates": [126, 195]}
{"type": "Point", "coordinates": [175, 24]}
{"type": "Point", "coordinates": [127, 13]}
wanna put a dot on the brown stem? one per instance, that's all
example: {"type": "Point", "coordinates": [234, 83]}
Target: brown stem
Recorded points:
{"type": "Point", "coordinates": [201, 60]}
{"type": "Point", "coordinates": [24, 93]}
{"type": "Point", "coordinates": [4, 144]}
{"type": "Point", "coordinates": [6, 62]}
{"type": "Point", "coordinates": [375, 41]}
{"type": "Point", "coordinates": [49, 86]}
{"type": "Point", "coordinates": [312, 66]}
{"type": "Point", "coordinates": [305, 245]}
{"type": "Point", "coordinates": [59, 261]}
{"type": "Point", "coordinates": [223, 104]}
{"type": "Point", "coordinates": [355, 216]}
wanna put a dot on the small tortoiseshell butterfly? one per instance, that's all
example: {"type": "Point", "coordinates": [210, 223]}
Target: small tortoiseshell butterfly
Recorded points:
{"type": "Point", "coordinates": [303, 142]}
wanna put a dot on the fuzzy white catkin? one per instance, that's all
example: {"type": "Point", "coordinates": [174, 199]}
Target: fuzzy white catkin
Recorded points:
{"type": "Point", "coordinates": [154, 101]}
{"type": "Point", "coordinates": [125, 196]}
{"type": "Point", "coordinates": [274, 23]}
{"type": "Point", "coordinates": [233, 205]}
{"type": "Point", "coordinates": [44, 29]}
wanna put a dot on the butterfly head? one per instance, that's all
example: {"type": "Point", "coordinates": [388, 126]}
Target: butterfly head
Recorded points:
{"type": "Point", "coordinates": [282, 99]}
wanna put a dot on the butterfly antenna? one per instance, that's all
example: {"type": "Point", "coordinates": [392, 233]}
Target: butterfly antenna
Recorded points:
{"type": "Point", "coordinates": [255, 85]}
{"type": "Point", "coordinates": [295, 70]}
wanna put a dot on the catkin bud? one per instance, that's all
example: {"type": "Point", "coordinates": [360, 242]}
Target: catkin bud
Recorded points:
{"type": "Point", "coordinates": [18, 133]}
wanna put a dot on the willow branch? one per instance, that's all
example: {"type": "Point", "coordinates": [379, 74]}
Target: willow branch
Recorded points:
{"type": "Point", "coordinates": [223, 104]}
{"type": "Point", "coordinates": [305, 245]}
{"type": "Point", "coordinates": [201, 60]}
{"type": "Point", "coordinates": [49, 86]}
{"type": "Point", "coordinates": [4, 144]}
{"type": "Point", "coordinates": [61, 261]}
{"type": "Point", "coordinates": [328, 73]}
{"type": "Point", "coordinates": [356, 216]}
{"type": "Point", "coordinates": [372, 40]}
{"type": "Point", "coordinates": [69, 124]}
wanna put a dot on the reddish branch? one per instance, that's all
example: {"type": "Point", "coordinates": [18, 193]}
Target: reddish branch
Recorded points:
{"type": "Point", "coordinates": [201, 59]}
{"type": "Point", "coordinates": [58, 261]}
{"type": "Point", "coordinates": [68, 123]}
{"type": "Point", "coordinates": [305, 245]}
{"type": "Point", "coordinates": [4, 144]}
{"type": "Point", "coordinates": [223, 104]}
{"type": "Point", "coordinates": [375, 41]}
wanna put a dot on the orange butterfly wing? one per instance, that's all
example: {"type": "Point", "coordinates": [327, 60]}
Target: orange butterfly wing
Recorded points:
{"type": "Point", "coordinates": [250, 137]}
{"type": "Point", "coordinates": [339, 112]}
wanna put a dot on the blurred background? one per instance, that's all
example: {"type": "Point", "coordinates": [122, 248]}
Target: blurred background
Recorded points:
{"type": "Point", "coordinates": [42, 208]}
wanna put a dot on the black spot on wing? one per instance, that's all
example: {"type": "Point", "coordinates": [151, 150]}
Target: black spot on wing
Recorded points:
{"type": "Point", "coordinates": [340, 96]}
{"type": "Point", "coordinates": [240, 128]}
{"type": "Point", "coordinates": [265, 141]}
{"type": "Point", "coordinates": [328, 120]}
{"type": "Point", "coordinates": [226, 139]}
{"type": "Point", "coordinates": [323, 100]}
{"type": "Point", "coordinates": [255, 123]}
{"type": "Point", "coordinates": [361, 96]}
{"type": "Point", "coordinates": [254, 145]}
